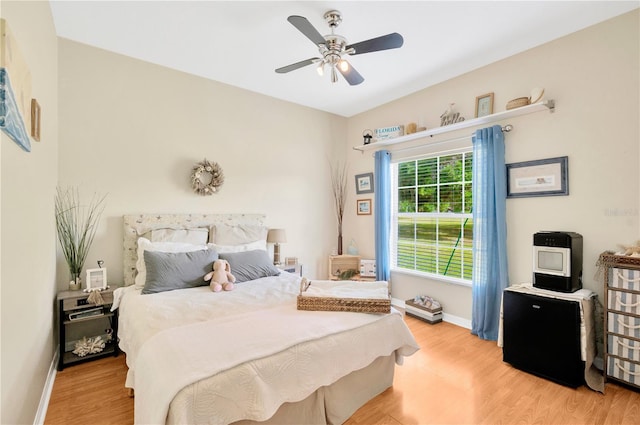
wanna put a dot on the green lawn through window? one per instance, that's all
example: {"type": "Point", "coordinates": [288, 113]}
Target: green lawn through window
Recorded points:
{"type": "Point", "coordinates": [418, 251]}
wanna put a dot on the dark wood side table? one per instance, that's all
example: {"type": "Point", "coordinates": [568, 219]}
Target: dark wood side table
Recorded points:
{"type": "Point", "coordinates": [73, 309]}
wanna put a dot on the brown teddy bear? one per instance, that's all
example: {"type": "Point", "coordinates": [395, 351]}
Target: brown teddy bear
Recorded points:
{"type": "Point", "coordinates": [221, 277]}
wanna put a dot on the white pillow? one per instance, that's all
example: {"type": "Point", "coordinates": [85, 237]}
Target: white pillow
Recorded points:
{"type": "Point", "coordinates": [196, 236]}
{"type": "Point", "coordinates": [145, 244]}
{"type": "Point", "coordinates": [224, 234]}
{"type": "Point", "coordinates": [228, 249]}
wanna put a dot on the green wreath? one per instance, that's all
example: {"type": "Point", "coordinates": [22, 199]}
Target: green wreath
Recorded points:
{"type": "Point", "coordinates": [203, 186]}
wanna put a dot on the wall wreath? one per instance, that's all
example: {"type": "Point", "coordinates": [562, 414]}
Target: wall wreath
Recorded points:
{"type": "Point", "coordinates": [206, 178]}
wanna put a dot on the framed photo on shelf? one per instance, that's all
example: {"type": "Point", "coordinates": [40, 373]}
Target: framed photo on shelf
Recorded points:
{"type": "Point", "coordinates": [364, 183]}
{"type": "Point", "coordinates": [542, 177]}
{"type": "Point", "coordinates": [96, 279]}
{"type": "Point", "coordinates": [484, 105]}
{"type": "Point", "coordinates": [364, 206]}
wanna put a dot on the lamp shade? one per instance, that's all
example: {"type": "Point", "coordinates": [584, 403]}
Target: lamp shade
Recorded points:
{"type": "Point", "coordinates": [276, 236]}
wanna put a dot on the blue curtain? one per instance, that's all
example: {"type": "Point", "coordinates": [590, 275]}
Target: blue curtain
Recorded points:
{"type": "Point", "coordinates": [489, 231]}
{"type": "Point", "coordinates": [382, 209]}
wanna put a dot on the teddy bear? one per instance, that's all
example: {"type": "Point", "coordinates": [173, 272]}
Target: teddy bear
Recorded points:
{"type": "Point", "coordinates": [221, 277]}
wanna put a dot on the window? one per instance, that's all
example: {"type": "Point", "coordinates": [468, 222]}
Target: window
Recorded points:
{"type": "Point", "coordinates": [432, 206]}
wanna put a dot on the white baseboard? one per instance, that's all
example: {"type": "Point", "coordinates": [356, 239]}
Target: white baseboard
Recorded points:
{"type": "Point", "coordinates": [459, 321]}
{"type": "Point", "coordinates": [463, 323]}
{"type": "Point", "coordinates": [41, 414]}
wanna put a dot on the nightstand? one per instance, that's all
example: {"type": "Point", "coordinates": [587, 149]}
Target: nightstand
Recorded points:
{"type": "Point", "coordinates": [293, 268]}
{"type": "Point", "coordinates": [73, 309]}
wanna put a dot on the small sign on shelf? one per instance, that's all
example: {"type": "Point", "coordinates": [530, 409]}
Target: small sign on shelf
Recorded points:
{"type": "Point", "coordinates": [388, 132]}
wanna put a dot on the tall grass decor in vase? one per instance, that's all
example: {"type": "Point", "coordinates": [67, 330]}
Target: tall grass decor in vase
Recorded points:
{"type": "Point", "coordinates": [76, 225]}
{"type": "Point", "coordinates": [339, 188]}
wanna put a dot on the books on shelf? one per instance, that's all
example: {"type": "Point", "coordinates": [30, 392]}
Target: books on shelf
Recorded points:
{"type": "Point", "coordinates": [86, 313]}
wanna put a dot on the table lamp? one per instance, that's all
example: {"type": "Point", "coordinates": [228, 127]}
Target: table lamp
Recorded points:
{"type": "Point", "coordinates": [276, 237]}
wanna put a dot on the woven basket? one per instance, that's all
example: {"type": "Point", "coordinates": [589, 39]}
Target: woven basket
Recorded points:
{"type": "Point", "coordinates": [517, 103]}
{"type": "Point", "coordinates": [613, 260]}
{"type": "Point", "coordinates": [360, 305]}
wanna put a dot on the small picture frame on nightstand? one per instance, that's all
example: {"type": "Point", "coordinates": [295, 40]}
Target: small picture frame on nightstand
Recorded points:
{"type": "Point", "coordinates": [96, 279]}
{"type": "Point", "coordinates": [290, 261]}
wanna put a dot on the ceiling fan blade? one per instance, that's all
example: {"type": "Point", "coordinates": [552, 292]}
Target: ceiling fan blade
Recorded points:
{"type": "Point", "coordinates": [352, 76]}
{"type": "Point", "coordinates": [297, 65]}
{"type": "Point", "coordinates": [385, 42]}
{"type": "Point", "coordinates": [305, 27]}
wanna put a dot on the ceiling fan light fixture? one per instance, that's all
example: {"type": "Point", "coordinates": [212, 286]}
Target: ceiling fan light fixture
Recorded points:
{"type": "Point", "coordinates": [334, 74]}
{"type": "Point", "coordinates": [333, 48]}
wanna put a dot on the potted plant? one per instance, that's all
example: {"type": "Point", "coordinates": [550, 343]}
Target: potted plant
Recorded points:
{"type": "Point", "coordinates": [76, 225]}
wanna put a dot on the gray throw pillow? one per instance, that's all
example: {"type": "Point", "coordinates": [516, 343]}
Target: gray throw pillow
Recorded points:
{"type": "Point", "coordinates": [167, 271]}
{"type": "Point", "coordinates": [250, 265]}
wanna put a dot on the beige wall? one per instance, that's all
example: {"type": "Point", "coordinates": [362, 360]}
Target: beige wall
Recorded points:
{"type": "Point", "coordinates": [135, 130]}
{"type": "Point", "coordinates": [593, 75]}
{"type": "Point", "coordinates": [28, 249]}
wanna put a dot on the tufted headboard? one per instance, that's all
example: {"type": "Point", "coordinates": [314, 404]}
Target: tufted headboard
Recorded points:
{"type": "Point", "coordinates": [139, 224]}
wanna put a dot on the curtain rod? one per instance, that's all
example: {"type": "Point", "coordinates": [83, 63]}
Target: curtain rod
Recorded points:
{"type": "Point", "coordinates": [507, 128]}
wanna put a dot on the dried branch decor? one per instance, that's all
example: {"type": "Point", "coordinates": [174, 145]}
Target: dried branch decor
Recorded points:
{"type": "Point", "coordinates": [76, 225]}
{"type": "Point", "coordinates": [339, 187]}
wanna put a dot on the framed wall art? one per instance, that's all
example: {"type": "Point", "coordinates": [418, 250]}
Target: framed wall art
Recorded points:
{"type": "Point", "coordinates": [364, 206]}
{"type": "Point", "coordinates": [364, 183]}
{"type": "Point", "coordinates": [542, 177]}
{"type": "Point", "coordinates": [15, 90]}
{"type": "Point", "coordinates": [96, 279]}
{"type": "Point", "coordinates": [484, 105]}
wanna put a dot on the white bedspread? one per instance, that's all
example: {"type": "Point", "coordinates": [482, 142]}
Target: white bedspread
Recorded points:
{"type": "Point", "coordinates": [278, 354]}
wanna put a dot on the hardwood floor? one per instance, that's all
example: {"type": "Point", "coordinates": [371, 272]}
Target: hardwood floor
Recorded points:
{"type": "Point", "coordinates": [455, 378]}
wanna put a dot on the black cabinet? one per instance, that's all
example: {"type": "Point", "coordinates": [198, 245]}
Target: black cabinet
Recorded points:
{"type": "Point", "coordinates": [541, 335]}
{"type": "Point", "coordinates": [73, 310]}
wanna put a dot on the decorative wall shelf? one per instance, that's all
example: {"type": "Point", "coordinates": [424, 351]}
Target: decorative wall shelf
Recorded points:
{"type": "Point", "coordinates": [524, 110]}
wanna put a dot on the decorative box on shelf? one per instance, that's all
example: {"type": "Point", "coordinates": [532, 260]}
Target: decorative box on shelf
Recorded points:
{"type": "Point", "coordinates": [431, 315]}
{"type": "Point", "coordinates": [349, 267]}
{"type": "Point", "coordinates": [367, 268]}
{"type": "Point", "coordinates": [343, 267]}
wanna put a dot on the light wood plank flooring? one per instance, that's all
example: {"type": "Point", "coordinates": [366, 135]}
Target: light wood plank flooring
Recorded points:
{"type": "Point", "coordinates": [456, 378]}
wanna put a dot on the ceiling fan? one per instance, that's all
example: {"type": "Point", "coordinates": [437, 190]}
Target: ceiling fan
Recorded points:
{"type": "Point", "coordinates": [333, 48]}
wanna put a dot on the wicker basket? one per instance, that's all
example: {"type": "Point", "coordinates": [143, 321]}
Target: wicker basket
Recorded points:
{"type": "Point", "coordinates": [361, 305]}
{"type": "Point", "coordinates": [613, 260]}
{"type": "Point", "coordinates": [517, 103]}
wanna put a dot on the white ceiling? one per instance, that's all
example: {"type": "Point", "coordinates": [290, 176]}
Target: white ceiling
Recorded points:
{"type": "Point", "coordinates": [241, 43]}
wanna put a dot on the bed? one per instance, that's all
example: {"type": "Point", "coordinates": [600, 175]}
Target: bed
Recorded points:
{"type": "Point", "coordinates": [242, 356]}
